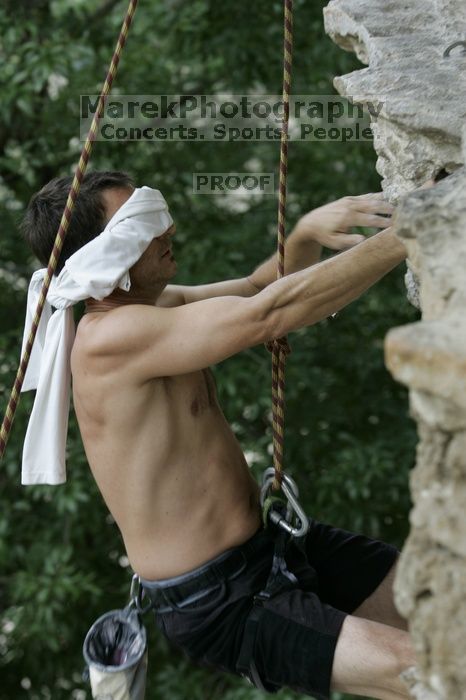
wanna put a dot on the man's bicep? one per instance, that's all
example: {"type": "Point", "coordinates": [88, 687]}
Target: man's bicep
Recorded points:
{"type": "Point", "coordinates": [191, 337]}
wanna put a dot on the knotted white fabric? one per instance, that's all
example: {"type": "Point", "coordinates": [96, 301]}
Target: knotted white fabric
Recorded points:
{"type": "Point", "coordinates": [95, 270]}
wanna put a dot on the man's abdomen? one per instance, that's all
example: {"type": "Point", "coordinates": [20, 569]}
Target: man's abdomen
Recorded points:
{"type": "Point", "coordinates": [194, 517]}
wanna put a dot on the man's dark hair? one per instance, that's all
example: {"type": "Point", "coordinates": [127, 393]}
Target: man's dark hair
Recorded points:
{"type": "Point", "coordinates": [43, 215]}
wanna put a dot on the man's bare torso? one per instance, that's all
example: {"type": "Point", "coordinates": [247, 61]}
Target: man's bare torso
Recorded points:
{"type": "Point", "coordinates": [166, 461]}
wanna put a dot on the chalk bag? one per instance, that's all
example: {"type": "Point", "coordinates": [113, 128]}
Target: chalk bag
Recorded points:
{"type": "Point", "coordinates": [115, 651]}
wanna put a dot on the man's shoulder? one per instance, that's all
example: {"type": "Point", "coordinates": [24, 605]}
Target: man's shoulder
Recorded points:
{"type": "Point", "coordinates": [107, 332]}
{"type": "Point", "coordinates": [110, 342]}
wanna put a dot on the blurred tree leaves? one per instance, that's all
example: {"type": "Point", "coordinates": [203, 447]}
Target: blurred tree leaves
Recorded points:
{"type": "Point", "coordinates": [349, 440]}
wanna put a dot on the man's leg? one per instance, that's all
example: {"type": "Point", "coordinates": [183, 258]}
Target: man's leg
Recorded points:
{"type": "Point", "coordinates": [380, 606]}
{"type": "Point", "coordinates": [369, 658]}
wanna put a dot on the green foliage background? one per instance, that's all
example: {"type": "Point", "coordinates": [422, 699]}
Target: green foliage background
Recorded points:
{"type": "Point", "coordinates": [350, 442]}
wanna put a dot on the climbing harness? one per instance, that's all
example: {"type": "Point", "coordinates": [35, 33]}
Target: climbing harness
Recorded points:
{"type": "Point", "coordinates": [280, 579]}
{"type": "Point", "coordinates": [286, 521]}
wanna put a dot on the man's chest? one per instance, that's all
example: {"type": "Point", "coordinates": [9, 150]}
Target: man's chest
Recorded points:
{"type": "Point", "coordinates": [196, 391]}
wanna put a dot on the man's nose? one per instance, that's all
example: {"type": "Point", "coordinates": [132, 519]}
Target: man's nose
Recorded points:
{"type": "Point", "coordinates": [168, 233]}
{"type": "Point", "coordinates": [165, 236]}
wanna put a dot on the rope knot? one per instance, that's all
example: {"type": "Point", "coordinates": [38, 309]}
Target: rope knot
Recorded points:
{"type": "Point", "coordinates": [281, 344]}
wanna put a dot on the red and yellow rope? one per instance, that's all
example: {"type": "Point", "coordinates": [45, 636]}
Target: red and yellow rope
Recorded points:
{"type": "Point", "coordinates": [280, 347]}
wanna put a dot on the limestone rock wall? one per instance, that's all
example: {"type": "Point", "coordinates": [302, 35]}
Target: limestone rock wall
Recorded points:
{"type": "Point", "coordinates": [421, 133]}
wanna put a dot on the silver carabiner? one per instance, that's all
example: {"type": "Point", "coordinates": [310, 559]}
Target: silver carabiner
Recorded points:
{"type": "Point", "coordinates": [135, 596]}
{"type": "Point", "coordinates": [293, 510]}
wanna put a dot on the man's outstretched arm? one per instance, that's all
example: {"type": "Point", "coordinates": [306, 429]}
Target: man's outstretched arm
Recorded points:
{"type": "Point", "coordinates": [163, 342]}
{"type": "Point", "coordinates": [309, 296]}
{"type": "Point", "coordinates": [327, 226]}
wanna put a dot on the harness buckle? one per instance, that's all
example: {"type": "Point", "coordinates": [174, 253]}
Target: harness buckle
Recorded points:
{"type": "Point", "coordinates": [295, 522]}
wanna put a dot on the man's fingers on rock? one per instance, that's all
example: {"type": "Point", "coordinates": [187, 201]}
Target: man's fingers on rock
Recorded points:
{"type": "Point", "coordinates": [372, 220]}
{"type": "Point", "coordinates": [376, 206]}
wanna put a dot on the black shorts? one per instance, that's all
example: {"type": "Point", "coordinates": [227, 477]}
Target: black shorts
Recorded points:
{"type": "Point", "coordinates": [203, 612]}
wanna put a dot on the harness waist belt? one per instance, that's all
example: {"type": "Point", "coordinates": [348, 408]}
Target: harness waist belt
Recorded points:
{"type": "Point", "coordinates": [176, 592]}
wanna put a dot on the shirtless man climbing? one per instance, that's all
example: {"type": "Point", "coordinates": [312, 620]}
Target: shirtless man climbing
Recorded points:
{"type": "Point", "coordinates": [174, 476]}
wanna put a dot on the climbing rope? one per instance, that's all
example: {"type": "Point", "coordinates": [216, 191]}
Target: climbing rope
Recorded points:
{"type": "Point", "coordinates": [279, 347]}
{"type": "Point", "coordinates": [64, 224]}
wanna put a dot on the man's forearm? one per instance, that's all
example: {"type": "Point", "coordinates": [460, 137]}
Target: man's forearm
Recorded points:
{"type": "Point", "coordinates": [308, 296]}
{"type": "Point", "coordinates": [299, 254]}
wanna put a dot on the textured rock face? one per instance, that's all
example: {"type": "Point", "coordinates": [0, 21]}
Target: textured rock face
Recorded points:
{"type": "Point", "coordinates": [430, 357]}
{"type": "Point", "coordinates": [419, 130]}
{"type": "Point", "coordinates": [420, 133]}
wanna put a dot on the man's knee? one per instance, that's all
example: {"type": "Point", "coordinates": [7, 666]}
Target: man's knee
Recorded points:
{"type": "Point", "coordinates": [405, 651]}
{"type": "Point", "coordinates": [369, 658]}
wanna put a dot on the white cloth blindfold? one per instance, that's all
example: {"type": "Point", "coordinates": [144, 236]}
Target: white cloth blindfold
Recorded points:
{"type": "Point", "coordinates": [95, 270]}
